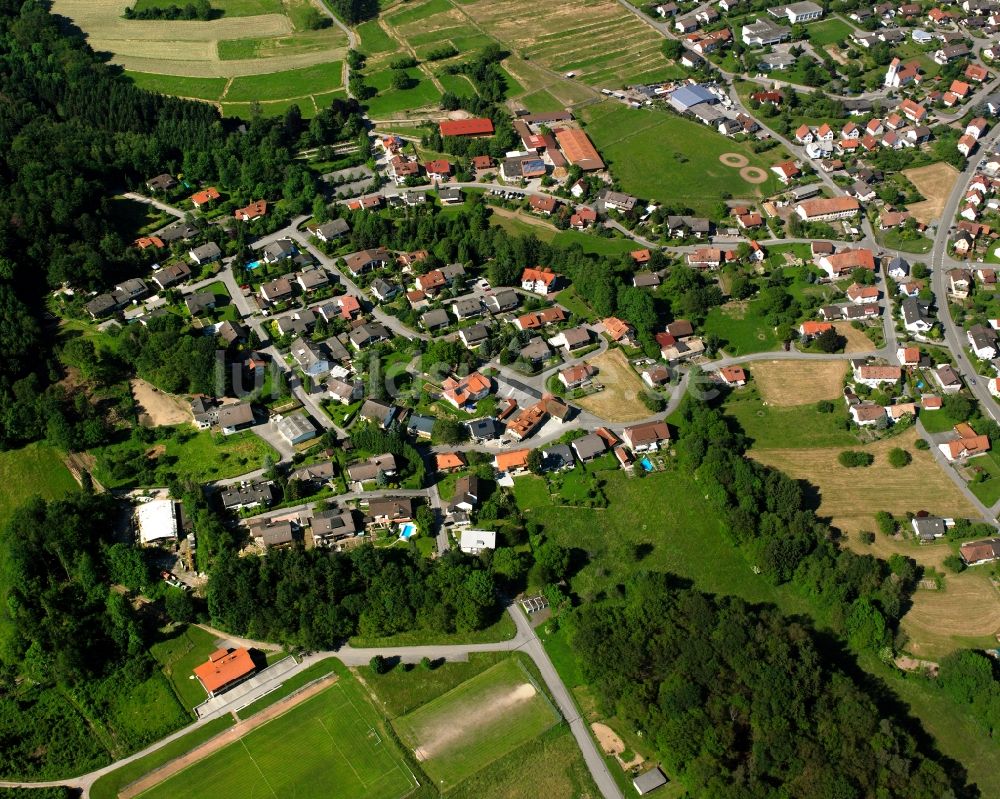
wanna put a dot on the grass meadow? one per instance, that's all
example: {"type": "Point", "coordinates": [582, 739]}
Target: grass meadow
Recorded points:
{"type": "Point", "coordinates": [34, 470]}
{"type": "Point", "coordinates": [178, 654]}
{"type": "Point", "coordinates": [740, 329]}
{"type": "Point", "coordinates": [199, 456]}
{"type": "Point", "coordinates": [466, 729]}
{"type": "Point", "coordinates": [652, 522]}
{"type": "Point", "coordinates": [828, 31]}
{"type": "Point", "coordinates": [290, 84]}
{"type": "Point", "coordinates": [180, 86]}
{"type": "Point", "coordinates": [328, 747]}
{"type": "Point", "coordinates": [660, 156]}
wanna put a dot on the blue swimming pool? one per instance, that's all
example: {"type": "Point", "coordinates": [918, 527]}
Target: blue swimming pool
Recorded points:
{"type": "Point", "coordinates": [407, 530]}
{"type": "Point", "coordinates": [646, 464]}
{"type": "Point", "coordinates": [253, 264]}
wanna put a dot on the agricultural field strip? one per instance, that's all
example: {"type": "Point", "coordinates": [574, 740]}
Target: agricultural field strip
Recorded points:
{"type": "Point", "coordinates": [190, 48]}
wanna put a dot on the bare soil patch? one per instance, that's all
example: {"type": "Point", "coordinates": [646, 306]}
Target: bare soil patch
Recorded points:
{"type": "Point", "coordinates": [225, 738]}
{"type": "Point", "coordinates": [753, 174]}
{"type": "Point", "coordinates": [851, 497]}
{"type": "Point", "coordinates": [620, 401]}
{"type": "Point", "coordinates": [935, 183]}
{"type": "Point", "coordinates": [612, 744]}
{"type": "Point", "coordinates": [857, 341]}
{"type": "Point", "coordinates": [734, 160]}
{"type": "Point", "coordinates": [158, 408]}
{"type": "Point", "coordinates": [785, 383]}
{"type": "Point", "coordinates": [836, 55]}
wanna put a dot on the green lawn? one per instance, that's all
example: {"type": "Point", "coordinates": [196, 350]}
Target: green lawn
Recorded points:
{"type": "Point", "coordinates": [541, 102]}
{"type": "Point", "coordinates": [402, 690]}
{"type": "Point", "coordinates": [295, 44]}
{"type": "Point", "coordinates": [771, 426]}
{"type": "Point", "coordinates": [519, 227]}
{"type": "Point", "coordinates": [741, 332]}
{"type": "Point", "coordinates": [279, 107]}
{"type": "Point", "coordinates": [179, 86]}
{"type": "Point", "coordinates": [657, 155]}
{"type": "Point", "coordinates": [938, 421]}
{"type": "Point", "coordinates": [987, 491]}
{"type": "Point", "coordinates": [200, 456]}
{"type": "Point", "coordinates": [477, 722]}
{"type": "Point", "coordinates": [549, 765]}
{"type": "Point", "coordinates": [573, 303]}
{"type": "Point", "coordinates": [178, 654]}
{"type": "Point", "coordinates": [34, 470]}
{"type": "Point", "coordinates": [458, 85]}
{"type": "Point", "coordinates": [134, 714]}
{"type": "Point", "coordinates": [594, 245]}
{"type": "Point", "coordinates": [328, 747]}
{"type": "Point", "coordinates": [656, 523]}
{"type": "Point", "coordinates": [828, 31]}
{"type": "Point", "coordinates": [374, 39]}
{"type": "Point", "coordinates": [288, 84]}
{"type": "Point", "coordinates": [893, 240]}
{"type": "Point", "coordinates": [392, 101]}
{"type": "Point", "coordinates": [406, 14]}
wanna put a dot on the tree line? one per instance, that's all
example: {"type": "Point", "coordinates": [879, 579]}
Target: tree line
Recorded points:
{"type": "Point", "coordinates": [767, 515]}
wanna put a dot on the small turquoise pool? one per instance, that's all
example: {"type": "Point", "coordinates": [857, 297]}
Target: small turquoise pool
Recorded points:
{"type": "Point", "coordinates": [407, 530]}
{"type": "Point", "coordinates": [253, 264]}
{"type": "Point", "coordinates": [646, 464]}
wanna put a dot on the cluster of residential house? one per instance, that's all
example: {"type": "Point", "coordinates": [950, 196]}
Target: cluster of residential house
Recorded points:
{"type": "Point", "coordinates": [981, 198]}
{"type": "Point", "coordinates": [634, 441]}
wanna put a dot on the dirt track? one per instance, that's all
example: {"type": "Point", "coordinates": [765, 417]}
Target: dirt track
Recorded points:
{"type": "Point", "coordinates": [223, 739]}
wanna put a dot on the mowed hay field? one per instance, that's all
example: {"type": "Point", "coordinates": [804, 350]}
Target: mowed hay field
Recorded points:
{"type": "Point", "coordinates": [857, 341]}
{"type": "Point", "coordinates": [851, 497]}
{"type": "Point", "coordinates": [328, 747]}
{"type": "Point", "coordinates": [786, 383]}
{"type": "Point", "coordinates": [474, 724]}
{"type": "Point", "coordinates": [620, 401]}
{"type": "Point", "coordinates": [965, 613]}
{"type": "Point", "coordinates": [200, 59]}
{"type": "Point", "coordinates": [660, 156]}
{"type": "Point", "coordinates": [935, 183]}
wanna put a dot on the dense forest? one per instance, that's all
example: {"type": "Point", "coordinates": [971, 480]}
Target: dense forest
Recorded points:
{"type": "Point", "coordinates": [743, 702]}
{"type": "Point", "coordinates": [317, 599]}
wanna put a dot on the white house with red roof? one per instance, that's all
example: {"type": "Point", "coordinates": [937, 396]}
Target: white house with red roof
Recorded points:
{"type": "Point", "coordinates": [539, 280]}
